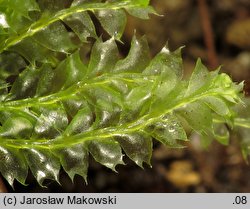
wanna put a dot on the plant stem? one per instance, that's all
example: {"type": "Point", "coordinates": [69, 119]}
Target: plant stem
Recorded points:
{"type": "Point", "coordinates": [2, 186]}
{"type": "Point", "coordinates": [208, 33]}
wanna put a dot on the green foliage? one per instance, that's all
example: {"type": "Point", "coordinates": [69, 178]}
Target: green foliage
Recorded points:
{"type": "Point", "coordinates": [56, 110]}
{"type": "Point", "coordinates": [242, 127]}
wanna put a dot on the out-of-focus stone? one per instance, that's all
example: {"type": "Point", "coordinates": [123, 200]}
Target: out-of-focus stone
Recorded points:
{"type": "Point", "coordinates": [182, 175]}
{"type": "Point", "coordinates": [238, 33]}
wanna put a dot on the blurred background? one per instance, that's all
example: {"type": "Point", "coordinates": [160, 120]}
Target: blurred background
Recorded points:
{"type": "Point", "coordinates": [219, 33]}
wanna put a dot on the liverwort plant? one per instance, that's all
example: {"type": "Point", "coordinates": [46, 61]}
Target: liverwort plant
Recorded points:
{"type": "Point", "coordinates": [56, 109]}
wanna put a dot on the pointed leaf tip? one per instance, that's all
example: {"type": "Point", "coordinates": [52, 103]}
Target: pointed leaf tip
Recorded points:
{"type": "Point", "coordinates": [43, 164]}
{"type": "Point", "coordinates": [107, 152]}
{"type": "Point", "coordinates": [138, 147]}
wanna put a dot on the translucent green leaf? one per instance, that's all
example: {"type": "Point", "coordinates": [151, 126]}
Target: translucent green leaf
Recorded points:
{"type": "Point", "coordinates": [25, 85]}
{"type": "Point", "coordinates": [52, 5]}
{"type": "Point", "coordinates": [166, 63]}
{"type": "Point", "coordinates": [169, 66]}
{"type": "Point", "coordinates": [242, 127]}
{"type": "Point", "coordinates": [142, 13]}
{"type": "Point", "coordinates": [221, 133]}
{"type": "Point", "coordinates": [200, 78]}
{"type": "Point", "coordinates": [141, 2]}
{"type": "Point", "coordinates": [13, 165]}
{"type": "Point", "coordinates": [55, 38]}
{"type": "Point", "coordinates": [168, 131]}
{"type": "Point", "coordinates": [74, 160]}
{"type": "Point", "coordinates": [16, 127]}
{"type": "Point", "coordinates": [73, 105]}
{"type": "Point", "coordinates": [198, 116]}
{"type": "Point", "coordinates": [106, 114]}
{"type": "Point", "coordinates": [82, 25]}
{"type": "Point", "coordinates": [217, 105]}
{"type": "Point", "coordinates": [17, 116]}
{"type": "Point", "coordinates": [3, 90]}
{"type": "Point", "coordinates": [51, 122]}
{"type": "Point", "coordinates": [81, 122]}
{"type": "Point", "coordinates": [10, 64]}
{"type": "Point", "coordinates": [107, 152]}
{"type": "Point", "coordinates": [33, 52]}
{"type": "Point", "coordinates": [68, 72]}
{"type": "Point", "coordinates": [138, 96]}
{"type": "Point", "coordinates": [42, 164]}
{"type": "Point", "coordinates": [138, 147]}
{"type": "Point", "coordinates": [118, 19]}
{"type": "Point", "coordinates": [137, 59]}
{"type": "Point", "coordinates": [100, 61]}
{"type": "Point", "coordinates": [45, 83]}
{"type": "Point", "coordinates": [82, 2]}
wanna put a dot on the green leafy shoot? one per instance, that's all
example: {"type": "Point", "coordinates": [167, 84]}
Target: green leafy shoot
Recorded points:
{"type": "Point", "coordinates": [52, 117]}
{"type": "Point", "coordinates": [56, 109]}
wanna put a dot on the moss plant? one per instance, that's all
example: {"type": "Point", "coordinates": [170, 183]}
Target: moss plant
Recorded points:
{"type": "Point", "coordinates": [57, 109]}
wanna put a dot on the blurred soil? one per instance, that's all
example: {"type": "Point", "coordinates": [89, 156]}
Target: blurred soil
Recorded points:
{"type": "Point", "coordinates": [217, 169]}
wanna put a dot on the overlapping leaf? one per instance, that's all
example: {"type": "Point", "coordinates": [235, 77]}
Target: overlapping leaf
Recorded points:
{"type": "Point", "coordinates": [52, 117]}
{"type": "Point", "coordinates": [43, 31]}
{"type": "Point", "coordinates": [38, 30]}
{"type": "Point", "coordinates": [41, 20]}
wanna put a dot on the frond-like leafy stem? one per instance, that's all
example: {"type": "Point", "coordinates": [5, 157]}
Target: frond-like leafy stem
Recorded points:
{"type": "Point", "coordinates": [44, 22]}
{"type": "Point", "coordinates": [59, 109]}
{"type": "Point", "coordinates": [111, 103]}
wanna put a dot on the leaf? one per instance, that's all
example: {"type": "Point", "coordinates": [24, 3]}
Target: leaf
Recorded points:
{"type": "Point", "coordinates": [16, 127]}
{"type": "Point", "coordinates": [13, 165]}
{"type": "Point", "coordinates": [137, 98]}
{"type": "Point", "coordinates": [169, 131]}
{"type": "Point", "coordinates": [137, 146]}
{"type": "Point", "coordinates": [81, 122]}
{"type": "Point", "coordinates": [68, 72]}
{"type": "Point", "coordinates": [33, 52]}
{"type": "Point", "coordinates": [10, 64]}
{"type": "Point", "coordinates": [217, 105]}
{"type": "Point", "coordinates": [26, 83]}
{"type": "Point", "coordinates": [137, 59]}
{"type": "Point", "coordinates": [74, 160]}
{"type": "Point", "coordinates": [52, 5]}
{"type": "Point", "coordinates": [198, 116]}
{"type": "Point", "coordinates": [242, 127]}
{"type": "Point", "coordinates": [118, 19]}
{"type": "Point", "coordinates": [200, 77]}
{"type": "Point", "coordinates": [82, 25]}
{"type": "Point", "coordinates": [100, 61]}
{"type": "Point", "coordinates": [106, 151]}
{"type": "Point", "coordinates": [221, 133]}
{"type": "Point", "coordinates": [51, 122]}
{"type": "Point", "coordinates": [42, 164]}
{"type": "Point", "coordinates": [142, 13]}
{"type": "Point", "coordinates": [55, 37]}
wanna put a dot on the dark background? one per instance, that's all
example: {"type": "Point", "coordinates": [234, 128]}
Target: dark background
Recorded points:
{"type": "Point", "coordinates": [217, 169]}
